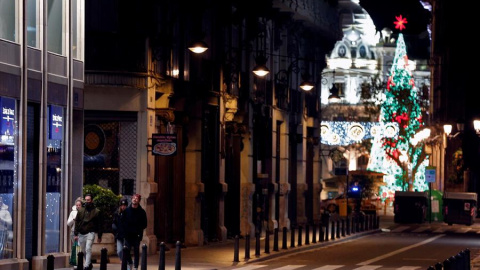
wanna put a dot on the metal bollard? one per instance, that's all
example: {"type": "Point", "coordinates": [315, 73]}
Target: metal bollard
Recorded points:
{"type": "Point", "coordinates": [257, 244]}
{"type": "Point", "coordinates": [124, 258]}
{"type": "Point", "coordinates": [267, 241]}
{"type": "Point", "coordinates": [299, 243]}
{"type": "Point", "coordinates": [332, 236]}
{"type": "Point", "coordinates": [438, 266]}
{"type": "Point", "coordinates": [247, 247]}
{"type": "Point", "coordinates": [103, 259]}
{"type": "Point", "coordinates": [378, 223]}
{"type": "Point", "coordinates": [347, 221]}
{"type": "Point", "coordinates": [236, 249]}
{"type": "Point", "coordinates": [50, 262]}
{"type": "Point", "coordinates": [80, 260]}
{"type": "Point", "coordinates": [275, 239]}
{"type": "Point", "coordinates": [314, 233]}
{"type": "Point", "coordinates": [327, 226]}
{"type": "Point", "coordinates": [161, 261]}
{"type": "Point", "coordinates": [321, 233]}
{"type": "Point", "coordinates": [178, 256]}
{"type": "Point", "coordinates": [307, 234]}
{"type": "Point", "coordinates": [284, 238]}
{"type": "Point", "coordinates": [431, 268]}
{"type": "Point", "coordinates": [338, 229]}
{"type": "Point", "coordinates": [460, 260]}
{"type": "Point", "coordinates": [467, 258]}
{"type": "Point", "coordinates": [292, 238]}
{"type": "Point", "coordinates": [143, 266]}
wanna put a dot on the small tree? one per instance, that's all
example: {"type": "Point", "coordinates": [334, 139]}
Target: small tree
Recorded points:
{"type": "Point", "coordinates": [105, 200]}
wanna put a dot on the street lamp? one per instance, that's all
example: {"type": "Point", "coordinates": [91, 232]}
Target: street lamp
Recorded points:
{"type": "Point", "coordinates": [198, 47]}
{"type": "Point", "coordinates": [476, 126]}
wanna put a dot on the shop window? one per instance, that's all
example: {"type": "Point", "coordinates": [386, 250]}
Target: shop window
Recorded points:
{"type": "Point", "coordinates": [55, 133]}
{"type": "Point", "coordinates": [8, 159]}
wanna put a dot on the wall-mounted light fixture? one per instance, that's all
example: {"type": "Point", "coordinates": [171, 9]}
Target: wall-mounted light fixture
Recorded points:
{"type": "Point", "coordinates": [261, 68]}
{"type": "Point", "coordinates": [476, 126]}
{"type": "Point", "coordinates": [447, 128]}
{"type": "Point", "coordinates": [198, 47]}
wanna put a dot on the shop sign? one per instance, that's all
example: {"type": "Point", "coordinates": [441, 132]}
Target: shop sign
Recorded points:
{"type": "Point", "coordinates": [164, 144]}
{"type": "Point", "coordinates": [8, 116]}
{"type": "Point", "coordinates": [56, 123]}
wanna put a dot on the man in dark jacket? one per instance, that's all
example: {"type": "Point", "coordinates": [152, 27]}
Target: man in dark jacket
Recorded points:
{"type": "Point", "coordinates": [136, 218]}
{"type": "Point", "coordinates": [88, 222]}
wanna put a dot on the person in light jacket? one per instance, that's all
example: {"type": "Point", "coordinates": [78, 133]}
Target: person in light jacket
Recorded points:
{"type": "Point", "coordinates": [71, 218]}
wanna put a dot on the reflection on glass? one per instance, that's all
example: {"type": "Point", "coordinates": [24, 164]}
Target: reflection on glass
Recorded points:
{"type": "Point", "coordinates": [54, 182]}
{"type": "Point", "coordinates": [7, 20]}
{"type": "Point", "coordinates": [32, 23]}
{"type": "Point", "coordinates": [55, 26]}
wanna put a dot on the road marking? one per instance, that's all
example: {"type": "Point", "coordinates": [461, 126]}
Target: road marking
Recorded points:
{"type": "Point", "coordinates": [251, 267]}
{"type": "Point", "coordinates": [290, 267]}
{"type": "Point", "coordinates": [328, 267]}
{"type": "Point", "coordinates": [401, 250]}
{"type": "Point", "coordinates": [368, 267]}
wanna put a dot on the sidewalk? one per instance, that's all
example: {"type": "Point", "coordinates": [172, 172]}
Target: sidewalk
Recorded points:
{"type": "Point", "coordinates": [222, 255]}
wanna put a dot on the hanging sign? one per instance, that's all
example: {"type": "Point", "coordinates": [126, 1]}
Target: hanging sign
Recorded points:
{"type": "Point", "coordinates": [430, 174]}
{"type": "Point", "coordinates": [56, 123]}
{"type": "Point", "coordinates": [8, 116]}
{"type": "Point", "coordinates": [164, 144]}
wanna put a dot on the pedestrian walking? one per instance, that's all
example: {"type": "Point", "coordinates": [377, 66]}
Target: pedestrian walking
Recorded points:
{"type": "Point", "coordinates": [136, 222]}
{"type": "Point", "coordinates": [88, 222]}
{"type": "Point", "coordinates": [71, 223]}
{"type": "Point", "coordinates": [119, 226]}
{"type": "Point", "coordinates": [71, 218]}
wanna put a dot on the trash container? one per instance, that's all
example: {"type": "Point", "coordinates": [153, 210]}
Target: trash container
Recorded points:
{"type": "Point", "coordinates": [410, 206]}
{"type": "Point", "coordinates": [459, 207]}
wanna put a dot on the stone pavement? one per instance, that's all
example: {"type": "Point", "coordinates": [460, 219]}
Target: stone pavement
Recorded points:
{"type": "Point", "coordinates": [222, 255]}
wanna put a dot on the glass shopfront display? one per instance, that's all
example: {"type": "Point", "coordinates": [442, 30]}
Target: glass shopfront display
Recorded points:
{"type": "Point", "coordinates": [8, 161]}
{"type": "Point", "coordinates": [54, 177]}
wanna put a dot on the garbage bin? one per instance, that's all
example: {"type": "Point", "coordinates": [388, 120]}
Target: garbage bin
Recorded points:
{"type": "Point", "coordinates": [410, 206]}
{"type": "Point", "coordinates": [459, 207]}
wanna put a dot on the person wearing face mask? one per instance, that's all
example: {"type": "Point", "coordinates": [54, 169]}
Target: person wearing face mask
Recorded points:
{"type": "Point", "coordinates": [136, 218]}
{"type": "Point", "coordinates": [88, 222]}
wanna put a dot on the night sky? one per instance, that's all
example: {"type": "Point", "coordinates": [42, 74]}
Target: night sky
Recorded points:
{"type": "Point", "coordinates": [383, 14]}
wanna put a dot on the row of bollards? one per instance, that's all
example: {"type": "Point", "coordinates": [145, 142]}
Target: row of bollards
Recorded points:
{"type": "Point", "coordinates": [461, 261]}
{"type": "Point", "coordinates": [326, 230]}
{"type": "Point", "coordinates": [124, 263]}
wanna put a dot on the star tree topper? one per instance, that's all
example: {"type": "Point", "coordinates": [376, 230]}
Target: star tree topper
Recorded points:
{"type": "Point", "coordinates": [400, 23]}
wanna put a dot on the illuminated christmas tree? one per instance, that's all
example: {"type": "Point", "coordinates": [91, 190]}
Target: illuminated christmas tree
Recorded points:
{"type": "Point", "coordinates": [404, 157]}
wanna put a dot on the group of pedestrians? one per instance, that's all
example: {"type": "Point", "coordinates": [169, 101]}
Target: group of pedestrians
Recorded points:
{"type": "Point", "coordinates": [128, 225]}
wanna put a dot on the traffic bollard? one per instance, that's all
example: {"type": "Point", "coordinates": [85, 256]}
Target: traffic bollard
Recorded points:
{"type": "Point", "coordinates": [257, 244]}
{"type": "Point", "coordinates": [161, 260]}
{"type": "Point", "coordinates": [236, 249]}
{"type": "Point", "coordinates": [247, 247]}
{"type": "Point", "coordinates": [50, 262]}
{"type": "Point", "coordinates": [321, 233]}
{"type": "Point", "coordinates": [292, 237]}
{"type": "Point", "coordinates": [80, 256]}
{"type": "Point", "coordinates": [267, 241]}
{"type": "Point", "coordinates": [103, 259]}
{"type": "Point", "coordinates": [284, 238]}
{"type": "Point", "coordinates": [343, 227]}
{"type": "Point", "coordinates": [332, 235]}
{"type": "Point", "coordinates": [124, 258]}
{"type": "Point", "coordinates": [143, 266]}
{"type": "Point", "coordinates": [438, 266]}
{"type": "Point", "coordinates": [299, 243]}
{"type": "Point", "coordinates": [338, 229]}
{"type": "Point", "coordinates": [307, 234]}
{"type": "Point", "coordinates": [178, 256]}
{"type": "Point", "coordinates": [314, 233]}
{"type": "Point", "coordinates": [275, 239]}
{"type": "Point", "coordinates": [348, 225]}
